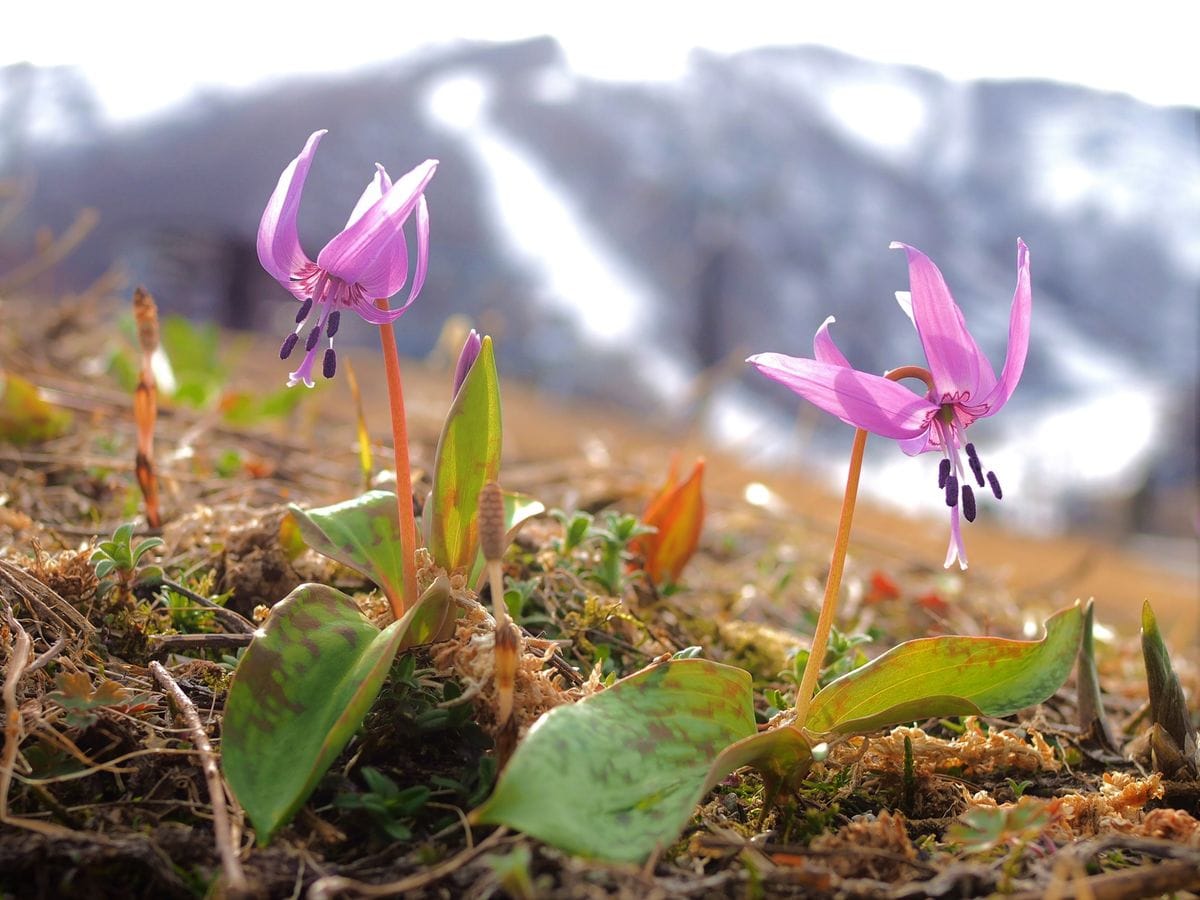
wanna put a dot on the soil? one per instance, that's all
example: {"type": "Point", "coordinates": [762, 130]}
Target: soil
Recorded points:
{"type": "Point", "coordinates": [104, 788]}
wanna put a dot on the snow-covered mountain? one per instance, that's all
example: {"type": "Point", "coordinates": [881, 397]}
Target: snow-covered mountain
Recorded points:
{"type": "Point", "coordinates": [624, 237]}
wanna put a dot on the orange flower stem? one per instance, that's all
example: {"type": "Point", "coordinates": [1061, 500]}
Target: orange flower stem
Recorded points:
{"type": "Point", "coordinates": [837, 565]}
{"type": "Point", "coordinates": [408, 526]}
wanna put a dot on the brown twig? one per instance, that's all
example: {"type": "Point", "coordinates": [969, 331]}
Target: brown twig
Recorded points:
{"type": "Point", "coordinates": [18, 659]}
{"type": "Point", "coordinates": [1144, 881]}
{"type": "Point", "coordinates": [235, 878]}
{"type": "Point", "coordinates": [164, 644]}
{"type": "Point", "coordinates": [333, 885]}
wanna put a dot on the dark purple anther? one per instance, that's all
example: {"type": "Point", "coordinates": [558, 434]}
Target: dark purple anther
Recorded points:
{"type": "Point", "coordinates": [313, 337]}
{"type": "Point", "coordinates": [943, 472]}
{"type": "Point", "coordinates": [995, 483]}
{"type": "Point", "coordinates": [976, 469]}
{"type": "Point", "coordinates": [976, 465]}
{"type": "Point", "coordinates": [289, 344]}
{"type": "Point", "coordinates": [335, 319]}
{"type": "Point", "coordinates": [305, 309]}
{"type": "Point", "coordinates": [952, 491]}
{"type": "Point", "coordinates": [968, 500]}
{"type": "Point", "coordinates": [329, 363]}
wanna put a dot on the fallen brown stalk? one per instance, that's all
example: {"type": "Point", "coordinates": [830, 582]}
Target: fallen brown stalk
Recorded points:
{"type": "Point", "coordinates": [235, 878]}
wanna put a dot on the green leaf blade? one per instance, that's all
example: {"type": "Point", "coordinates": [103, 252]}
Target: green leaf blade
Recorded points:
{"type": "Point", "coordinates": [950, 675]}
{"type": "Point", "coordinates": [301, 690]}
{"type": "Point", "coordinates": [467, 458]}
{"type": "Point", "coordinates": [363, 534]}
{"type": "Point", "coordinates": [618, 774]}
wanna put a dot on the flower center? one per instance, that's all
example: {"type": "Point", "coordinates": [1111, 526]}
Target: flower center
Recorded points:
{"type": "Point", "coordinates": [327, 297]}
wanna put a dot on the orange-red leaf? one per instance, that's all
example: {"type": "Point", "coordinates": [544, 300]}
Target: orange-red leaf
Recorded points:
{"type": "Point", "coordinates": [677, 511]}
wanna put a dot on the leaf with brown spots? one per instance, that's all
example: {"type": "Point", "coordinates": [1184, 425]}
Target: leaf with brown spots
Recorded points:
{"type": "Point", "coordinates": [618, 774]}
{"type": "Point", "coordinates": [363, 533]}
{"type": "Point", "coordinates": [950, 676]}
{"type": "Point", "coordinates": [300, 692]}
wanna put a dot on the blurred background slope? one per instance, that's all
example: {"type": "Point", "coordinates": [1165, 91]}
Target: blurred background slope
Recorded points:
{"type": "Point", "coordinates": [634, 239]}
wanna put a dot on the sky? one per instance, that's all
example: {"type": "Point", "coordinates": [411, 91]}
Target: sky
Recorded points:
{"type": "Point", "coordinates": [142, 57]}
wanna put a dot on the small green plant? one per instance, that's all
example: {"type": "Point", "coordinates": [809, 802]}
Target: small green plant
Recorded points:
{"type": "Point", "coordinates": [391, 808]}
{"type": "Point", "coordinates": [610, 544]}
{"type": "Point", "coordinates": [842, 655]}
{"type": "Point", "coordinates": [1018, 788]}
{"type": "Point", "coordinates": [117, 562]}
{"type": "Point", "coordinates": [186, 615]}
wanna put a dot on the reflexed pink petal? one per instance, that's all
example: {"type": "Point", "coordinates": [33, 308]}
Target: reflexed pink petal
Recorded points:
{"type": "Point", "coordinates": [865, 401]}
{"type": "Point", "coordinates": [278, 242]}
{"type": "Point", "coordinates": [365, 253]}
{"type": "Point", "coordinates": [957, 364]}
{"type": "Point", "coordinates": [917, 445]}
{"type": "Point", "coordinates": [1018, 334]}
{"type": "Point", "coordinates": [373, 315]}
{"type": "Point", "coordinates": [824, 349]}
{"type": "Point", "coordinates": [379, 185]}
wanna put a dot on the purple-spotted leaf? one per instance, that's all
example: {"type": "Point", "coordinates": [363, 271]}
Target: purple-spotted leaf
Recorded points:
{"type": "Point", "coordinates": [300, 692]}
{"type": "Point", "coordinates": [950, 675]}
{"type": "Point", "coordinates": [518, 509]}
{"type": "Point", "coordinates": [363, 533]}
{"type": "Point", "coordinates": [467, 458]}
{"type": "Point", "coordinates": [617, 775]}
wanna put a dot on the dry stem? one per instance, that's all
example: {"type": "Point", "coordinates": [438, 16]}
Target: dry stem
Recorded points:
{"type": "Point", "coordinates": [18, 659]}
{"type": "Point", "coordinates": [234, 876]}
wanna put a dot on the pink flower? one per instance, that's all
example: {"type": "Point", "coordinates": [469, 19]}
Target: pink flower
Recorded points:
{"type": "Point", "coordinates": [965, 386]}
{"type": "Point", "coordinates": [367, 261]}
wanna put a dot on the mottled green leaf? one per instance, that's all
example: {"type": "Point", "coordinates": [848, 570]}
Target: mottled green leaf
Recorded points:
{"type": "Point", "coordinates": [467, 458]}
{"type": "Point", "coordinates": [950, 675]}
{"type": "Point", "coordinates": [363, 533]}
{"type": "Point", "coordinates": [618, 774]}
{"type": "Point", "coordinates": [518, 509]}
{"type": "Point", "coordinates": [24, 416]}
{"type": "Point", "coordinates": [301, 690]}
{"type": "Point", "coordinates": [782, 756]}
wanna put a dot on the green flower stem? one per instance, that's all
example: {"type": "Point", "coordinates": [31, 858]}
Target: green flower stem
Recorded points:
{"type": "Point", "coordinates": [837, 565]}
{"type": "Point", "coordinates": [408, 527]}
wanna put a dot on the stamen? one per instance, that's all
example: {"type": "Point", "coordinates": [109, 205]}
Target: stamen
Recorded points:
{"type": "Point", "coordinates": [329, 363]}
{"type": "Point", "coordinates": [313, 337]}
{"type": "Point", "coordinates": [995, 484]}
{"type": "Point", "coordinates": [976, 465]}
{"type": "Point", "coordinates": [968, 501]}
{"type": "Point", "coordinates": [305, 309]}
{"type": "Point", "coordinates": [289, 344]}
{"type": "Point", "coordinates": [335, 319]}
{"type": "Point", "coordinates": [943, 472]}
{"type": "Point", "coordinates": [976, 470]}
{"type": "Point", "coordinates": [952, 491]}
